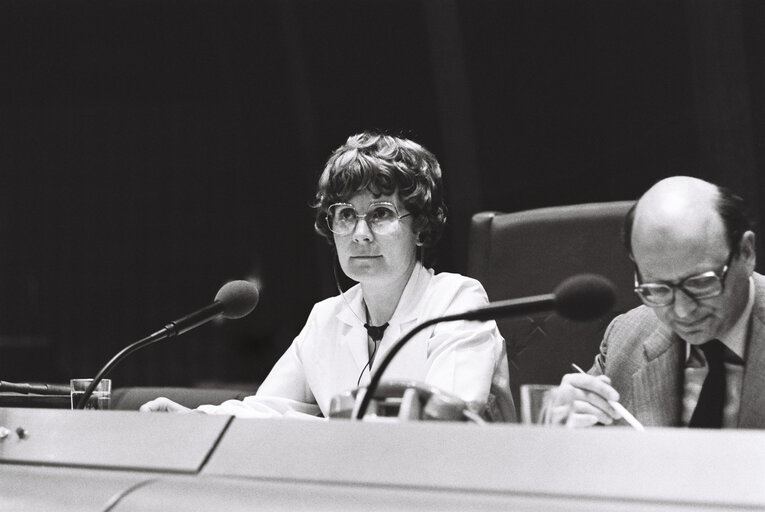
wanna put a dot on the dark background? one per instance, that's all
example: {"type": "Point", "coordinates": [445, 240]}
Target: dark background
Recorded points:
{"type": "Point", "coordinates": [151, 150]}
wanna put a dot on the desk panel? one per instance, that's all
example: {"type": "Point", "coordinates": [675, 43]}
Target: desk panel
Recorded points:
{"type": "Point", "coordinates": [216, 494]}
{"type": "Point", "coordinates": [660, 466]}
{"type": "Point", "coordinates": [51, 489]}
{"type": "Point", "coordinates": [110, 439]}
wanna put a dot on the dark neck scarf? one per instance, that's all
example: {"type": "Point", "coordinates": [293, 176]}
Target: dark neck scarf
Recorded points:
{"type": "Point", "coordinates": [374, 331]}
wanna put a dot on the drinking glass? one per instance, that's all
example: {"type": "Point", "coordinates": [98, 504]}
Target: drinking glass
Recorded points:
{"type": "Point", "coordinates": [98, 400]}
{"type": "Point", "coordinates": [535, 403]}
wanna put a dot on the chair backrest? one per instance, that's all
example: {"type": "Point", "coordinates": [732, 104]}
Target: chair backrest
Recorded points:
{"type": "Point", "coordinates": [529, 253]}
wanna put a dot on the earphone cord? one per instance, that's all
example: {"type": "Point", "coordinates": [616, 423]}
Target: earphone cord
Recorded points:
{"type": "Point", "coordinates": [340, 289]}
{"type": "Point", "coordinates": [369, 363]}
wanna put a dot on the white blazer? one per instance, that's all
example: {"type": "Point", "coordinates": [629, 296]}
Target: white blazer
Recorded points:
{"type": "Point", "coordinates": [329, 354]}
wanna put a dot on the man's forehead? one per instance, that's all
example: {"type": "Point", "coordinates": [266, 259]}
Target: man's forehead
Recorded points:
{"type": "Point", "coordinates": [675, 239]}
{"type": "Point", "coordinates": [680, 237]}
{"type": "Point", "coordinates": [677, 266]}
{"type": "Point", "coordinates": [663, 258]}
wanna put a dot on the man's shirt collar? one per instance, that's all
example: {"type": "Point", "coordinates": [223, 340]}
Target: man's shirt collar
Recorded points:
{"type": "Point", "coordinates": [735, 338]}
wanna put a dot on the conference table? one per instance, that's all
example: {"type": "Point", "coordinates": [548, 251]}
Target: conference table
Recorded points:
{"type": "Point", "coordinates": [62, 460]}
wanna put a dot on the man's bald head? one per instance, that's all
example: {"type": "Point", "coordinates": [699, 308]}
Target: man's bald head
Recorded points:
{"type": "Point", "coordinates": [679, 208]}
{"type": "Point", "coordinates": [677, 212]}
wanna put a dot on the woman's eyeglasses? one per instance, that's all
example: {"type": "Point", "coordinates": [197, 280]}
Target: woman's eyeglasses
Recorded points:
{"type": "Point", "coordinates": [381, 217]}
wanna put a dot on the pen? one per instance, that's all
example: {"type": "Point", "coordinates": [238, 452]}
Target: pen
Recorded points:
{"type": "Point", "coordinates": [628, 417]}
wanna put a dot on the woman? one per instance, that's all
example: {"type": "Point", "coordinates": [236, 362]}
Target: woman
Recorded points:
{"type": "Point", "coordinates": [379, 204]}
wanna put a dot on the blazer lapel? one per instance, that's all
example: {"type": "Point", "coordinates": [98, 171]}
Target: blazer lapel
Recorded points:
{"type": "Point", "coordinates": [657, 385]}
{"type": "Point", "coordinates": [410, 361]}
{"type": "Point", "coordinates": [752, 410]}
{"type": "Point", "coordinates": [354, 335]}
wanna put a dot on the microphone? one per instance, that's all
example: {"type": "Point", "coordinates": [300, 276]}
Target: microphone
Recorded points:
{"type": "Point", "coordinates": [234, 300]}
{"type": "Point", "coordinates": [36, 389]}
{"type": "Point", "coordinates": [581, 298]}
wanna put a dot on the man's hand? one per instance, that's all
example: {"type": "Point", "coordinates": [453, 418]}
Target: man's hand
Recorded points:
{"type": "Point", "coordinates": [581, 400]}
{"type": "Point", "coordinates": [163, 404]}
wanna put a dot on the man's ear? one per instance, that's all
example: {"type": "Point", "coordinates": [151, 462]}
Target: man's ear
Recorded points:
{"type": "Point", "coordinates": [747, 250]}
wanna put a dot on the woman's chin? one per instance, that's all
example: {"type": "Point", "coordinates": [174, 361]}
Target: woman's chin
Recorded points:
{"type": "Point", "coordinates": [369, 274]}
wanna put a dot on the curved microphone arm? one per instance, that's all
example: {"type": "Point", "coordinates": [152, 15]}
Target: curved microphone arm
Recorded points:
{"type": "Point", "coordinates": [235, 299]}
{"type": "Point", "coordinates": [116, 359]}
{"type": "Point", "coordinates": [582, 297]}
{"type": "Point", "coordinates": [375, 380]}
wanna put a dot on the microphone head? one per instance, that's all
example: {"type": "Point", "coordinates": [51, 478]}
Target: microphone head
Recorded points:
{"type": "Point", "coordinates": [239, 298]}
{"type": "Point", "coordinates": [584, 297]}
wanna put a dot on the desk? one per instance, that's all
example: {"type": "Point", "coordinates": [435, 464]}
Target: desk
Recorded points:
{"type": "Point", "coordinates": [195, 462]}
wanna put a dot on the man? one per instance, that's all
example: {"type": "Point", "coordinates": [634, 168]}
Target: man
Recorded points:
{"type": "Point", "coordinates": [694, 354]}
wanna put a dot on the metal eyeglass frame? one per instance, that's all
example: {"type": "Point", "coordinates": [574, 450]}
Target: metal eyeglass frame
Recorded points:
{"type": "Point", "coordinates": [362, 216]}
{"type": "Point", "coordinates": [720, 275]}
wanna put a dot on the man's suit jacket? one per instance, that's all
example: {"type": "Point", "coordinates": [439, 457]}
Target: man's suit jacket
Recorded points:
{"type": "Point", "coordinates": [645, 361]}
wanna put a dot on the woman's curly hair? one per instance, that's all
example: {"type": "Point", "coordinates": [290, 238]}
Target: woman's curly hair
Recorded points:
{"type": "Point", "coordinates": [384, 164]}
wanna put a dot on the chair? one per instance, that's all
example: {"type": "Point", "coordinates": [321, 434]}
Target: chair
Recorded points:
{"type": "Point", "coordinates": [529, 253]}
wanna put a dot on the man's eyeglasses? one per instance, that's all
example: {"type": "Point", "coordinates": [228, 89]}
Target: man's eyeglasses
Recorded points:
{"type": "Point", "coordinates": [381, 217]}
{"type": "Point", "coordinates": [701, 286]}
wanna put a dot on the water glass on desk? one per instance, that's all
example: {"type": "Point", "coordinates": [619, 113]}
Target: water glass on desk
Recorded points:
{"type": "Point", "coordinates": [100, 398]}
{"type": "Point", "coordinates": [535, 403]}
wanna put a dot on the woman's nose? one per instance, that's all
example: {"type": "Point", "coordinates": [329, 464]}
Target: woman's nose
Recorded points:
{"type": "Point", "coordinates": [361, 231]}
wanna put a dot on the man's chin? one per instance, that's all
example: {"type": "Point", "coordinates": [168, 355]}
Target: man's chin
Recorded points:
{"type": "Point", "coordinates": [696, 336]}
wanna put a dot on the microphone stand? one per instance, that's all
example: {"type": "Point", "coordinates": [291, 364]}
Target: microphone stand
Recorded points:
{"type": "Point", "coordinates": [375, 380]}
{"type": "Point", "coordinates": [116, 359]}
{"type": "Point", "coordinates": [172, 329]}
{"type": "Point", "coordinates": [523, 306]}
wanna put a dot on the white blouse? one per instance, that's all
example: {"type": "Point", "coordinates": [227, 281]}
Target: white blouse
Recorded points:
{"type": "Point", "coordinates": [329, 354]}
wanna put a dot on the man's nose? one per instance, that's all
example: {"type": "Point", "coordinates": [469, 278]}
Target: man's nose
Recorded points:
{"type": "Point", "coordinates": [684, 304]}
{"type": "Point", "coordinates": [361, 231]}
